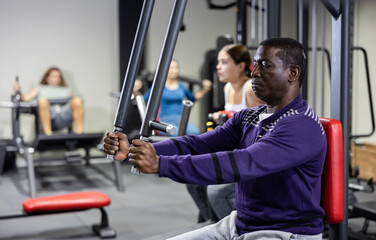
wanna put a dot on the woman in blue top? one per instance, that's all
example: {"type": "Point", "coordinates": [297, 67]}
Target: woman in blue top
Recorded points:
{"type": "Point", "coordinates": [173, 95]}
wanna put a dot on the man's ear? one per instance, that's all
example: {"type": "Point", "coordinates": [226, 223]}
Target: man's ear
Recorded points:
{"type": "Point", "coordinates": [294, 73]}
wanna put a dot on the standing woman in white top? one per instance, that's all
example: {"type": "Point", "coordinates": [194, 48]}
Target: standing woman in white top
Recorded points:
{"type": "Point", "coordinates": [233, 68]}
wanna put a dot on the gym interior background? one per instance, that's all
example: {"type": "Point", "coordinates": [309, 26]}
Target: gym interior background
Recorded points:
{"type": "Point", "coordinates": [82, 38]}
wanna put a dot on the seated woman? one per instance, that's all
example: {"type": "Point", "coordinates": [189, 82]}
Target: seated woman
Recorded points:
{"type": "Point", "coordinates": [55, 116]}
{"type": "Point", "coordinates": [173, 95]}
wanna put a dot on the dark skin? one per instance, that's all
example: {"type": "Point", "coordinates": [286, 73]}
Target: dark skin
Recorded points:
{"type": "Point", "coordinates": [272, 82]}
{"type": "Point", "coordinates": [277, 85]}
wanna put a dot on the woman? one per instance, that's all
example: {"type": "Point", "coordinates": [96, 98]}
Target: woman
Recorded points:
{"type": "Point", "coordinates": [233, 68]}
{"type": "Point", "coordinates": [173, 95]}
{"type": "Point", "coordinates": [55, 116]}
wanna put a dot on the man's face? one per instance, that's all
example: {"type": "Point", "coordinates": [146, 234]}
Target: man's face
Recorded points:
{"type": "Point", "coordinates": [269, 76]}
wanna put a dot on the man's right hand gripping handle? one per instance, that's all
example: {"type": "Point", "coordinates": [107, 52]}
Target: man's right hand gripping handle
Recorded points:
{"type": "Point", "coordinates": [116, 145]}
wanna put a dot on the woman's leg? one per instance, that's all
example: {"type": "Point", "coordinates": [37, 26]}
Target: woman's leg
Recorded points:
{"type": "Point", "coordinates": [76, 106]}
{"type": "Point", "coordinates": [44, 115]}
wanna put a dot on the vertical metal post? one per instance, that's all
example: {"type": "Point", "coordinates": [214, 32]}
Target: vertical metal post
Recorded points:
{"type": "Point", "coordinates": [259, 21]}
{"type": "Point", "coordinates": [30, 171]}
{"type": "Point", "coordinates": [130, 77]}
{"type": "Point", "coordinates": [323, 35]}
{"type": "Point", "coordinates": [340, 93]}
{"type": "Point", "coordinates": [253, 23]}
{"type": "Point", "coordinates": [274, 18]}
{"type": "Point", "coordinates": [303, 37]}
{"type": "Point", "coordinates": [314, 54]}
{"type": "Point", "coordinates": [187, 106]}
{"type": "Point", "coordinates": [134, 61]}
{"type": "Point", "coordinates": [163, 66]}
{"type": "Point", "coordinates": [241, 22]}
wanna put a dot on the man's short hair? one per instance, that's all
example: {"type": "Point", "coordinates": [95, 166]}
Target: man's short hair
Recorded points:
{"type": "Point", "coordinates": [291, 52]}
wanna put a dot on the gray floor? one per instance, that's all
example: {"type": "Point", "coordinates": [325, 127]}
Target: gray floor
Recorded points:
{"type": "Point", "coordinates": [150, 208]}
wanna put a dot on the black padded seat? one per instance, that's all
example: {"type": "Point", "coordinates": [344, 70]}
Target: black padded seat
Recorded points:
{"type": "Point", "coordinates": [70, 140]}
{"type": "Point", "coordinates": [365, 209]}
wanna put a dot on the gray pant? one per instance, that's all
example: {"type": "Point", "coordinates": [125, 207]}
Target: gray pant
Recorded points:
{"type": "Point", "coordinates": [61, 116]}
{"type": "Point", "coordinates": [222, 199]}
{"type": "Point", "coordinates": [226, 230]}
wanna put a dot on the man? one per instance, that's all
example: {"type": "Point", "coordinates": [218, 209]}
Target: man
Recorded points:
{"type": "Point", "coordinates": [275, 154]}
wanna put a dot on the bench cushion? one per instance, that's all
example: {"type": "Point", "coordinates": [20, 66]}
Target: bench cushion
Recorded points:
{"type": "Point", "coordinates": [66, 202]}
{"type": "Point", "coordinates": [332, 176]}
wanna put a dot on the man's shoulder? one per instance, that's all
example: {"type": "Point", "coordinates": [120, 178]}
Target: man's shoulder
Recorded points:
{"type": "Point", "coordinates": [304, 117]}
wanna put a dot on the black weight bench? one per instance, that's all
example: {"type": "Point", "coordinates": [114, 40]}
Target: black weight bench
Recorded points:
{"type": "Point", "coordinates": [366, 210]}
{"type": "Point", "coordinates": [67, 142]}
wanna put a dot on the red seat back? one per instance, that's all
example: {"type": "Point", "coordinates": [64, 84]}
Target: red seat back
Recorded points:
{"type": "Point", "coordinates": [332, 176]}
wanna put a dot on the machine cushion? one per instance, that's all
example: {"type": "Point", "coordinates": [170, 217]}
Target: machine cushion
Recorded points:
{"type": "Point", "coordinates": [66, 202]}
{"type": "Point", "coordinates": [332, 177]}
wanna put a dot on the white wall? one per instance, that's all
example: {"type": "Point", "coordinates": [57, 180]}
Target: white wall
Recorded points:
{"type": "Point", "coordinates": [364, 36]}
{"type": "Point", "coordinates": [78, 36]}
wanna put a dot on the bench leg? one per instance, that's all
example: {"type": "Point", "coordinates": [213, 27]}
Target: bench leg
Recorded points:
{"type": "Point", "coordinates": [365, 226]}
{"type": "Point", "coordinates": [103, 230]}
{"type": "Point", "coordinates": [30, 173]}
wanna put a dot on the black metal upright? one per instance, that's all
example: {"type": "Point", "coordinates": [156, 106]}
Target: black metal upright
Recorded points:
{"type": "Point", "coordinates": [341, 92]}
{"type": "Point", "coordinates": [273, 12]}
{"type": "Point", "coordinates": [303, 37]}
{"type": "Point", "coordinates": [133, 64]}
{"type": "Point", "coordinates": [130, 77]}
{"type": "Point", "coordinates": [241, 22]}
{"type": "Point", "coordinates": [163, 66]}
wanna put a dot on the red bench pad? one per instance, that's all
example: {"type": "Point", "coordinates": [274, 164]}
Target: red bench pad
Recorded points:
{"type": "Point", "coordinates": [332, 176]}
{"type": "Point", "coordinates": [66, 202]}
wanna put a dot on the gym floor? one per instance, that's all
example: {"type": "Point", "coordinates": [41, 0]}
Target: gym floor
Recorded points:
{"type": "Point", "coordinates": [150, 208]}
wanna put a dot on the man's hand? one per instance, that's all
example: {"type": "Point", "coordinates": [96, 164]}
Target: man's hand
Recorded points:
{"type": "Point", "coordinates": [117, 144]}
{"type": "Point", "coordinates": [144, 157]}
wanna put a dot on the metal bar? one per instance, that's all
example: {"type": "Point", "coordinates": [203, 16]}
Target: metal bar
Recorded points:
{"type": "Point", "coordinates": [266, 25]}
{"type": "Point", "coordinates": [259, 21]}
{"type": "Point", "coordinates": [133, 64]}
{"type": "Point", "coordinates": [274, 18]}
{"type": "Point", "coordinates": [163, 66]}
{"type": "Point", "coordinates": [323, 24]}
{"type": "Point", "coordinates": [130, 77]}
{"type": "Point", "coordinates": [369, 94]}
{"type": "Point", "coordinates": [187, 106]}
{"type": "Point", "coordinates": [341, 97]}
{"type": "Point", "coordinates": [314, 54]}
{"type": "Point", "coordinates": [30, 172]}
{"type": "Point", "coordinates": [241, 22]}
{"type": "Point", "coordinates": [333, 7]}
{"type": "Point", "coordinates": [253, 23]}
{"type": "Point", "coordinates": [300, 21]}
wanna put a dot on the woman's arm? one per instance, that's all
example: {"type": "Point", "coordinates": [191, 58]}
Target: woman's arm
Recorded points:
{"type": "Point", "coordinates": [28, 96]}
{"type": "Point", "coordinates": [206, 87]}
